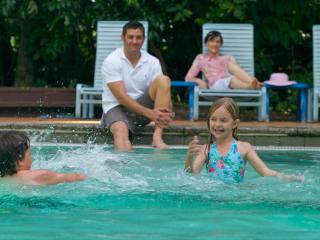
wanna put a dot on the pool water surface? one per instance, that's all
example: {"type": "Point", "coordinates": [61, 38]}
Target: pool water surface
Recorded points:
{"type": "Point", "coordinates": [145, 194]}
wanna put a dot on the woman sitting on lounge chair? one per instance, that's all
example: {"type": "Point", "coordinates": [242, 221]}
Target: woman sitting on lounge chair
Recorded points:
{"type": "Point", "coordinates": [222, 72]}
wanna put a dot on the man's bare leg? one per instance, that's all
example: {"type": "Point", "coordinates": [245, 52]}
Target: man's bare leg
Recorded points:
{"type": "Point", "coordinates": [160, 93]}
{"type": "Point", "coordinates": [120, 134]}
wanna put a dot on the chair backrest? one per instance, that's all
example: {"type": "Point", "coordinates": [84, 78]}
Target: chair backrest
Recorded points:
{"type": "Point", "coordinates": [316, 56]}
{"type": "Point", "coordinates": [237, 41]}
{"type": "Point", "coordinates": [109, 39]}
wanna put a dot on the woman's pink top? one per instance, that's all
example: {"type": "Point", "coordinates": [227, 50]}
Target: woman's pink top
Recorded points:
{"type": "Point", "coordinates": [213, 68]}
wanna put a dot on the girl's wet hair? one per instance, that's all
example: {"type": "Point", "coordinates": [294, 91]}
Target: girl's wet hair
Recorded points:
{"type": "Point", "coordinates": [13, 147]}
{"type": "Point", "coordinates": [213, 34]}
{"type": "Point", "coordinates": [231, 106]}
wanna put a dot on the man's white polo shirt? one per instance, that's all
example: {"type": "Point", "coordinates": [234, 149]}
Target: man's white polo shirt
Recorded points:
{"type": "Point", "coordinates": [116, 67]}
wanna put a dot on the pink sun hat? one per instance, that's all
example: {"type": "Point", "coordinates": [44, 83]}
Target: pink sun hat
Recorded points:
{"type": "Point", "coordinates": [280, 79]}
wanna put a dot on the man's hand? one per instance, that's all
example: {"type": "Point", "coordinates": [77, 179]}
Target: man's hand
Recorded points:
{"type": "Point", "coordinates": [162, 117]}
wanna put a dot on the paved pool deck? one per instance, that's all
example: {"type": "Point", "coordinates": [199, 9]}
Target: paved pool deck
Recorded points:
{"type": "Point", "coordinates": [179, 133]}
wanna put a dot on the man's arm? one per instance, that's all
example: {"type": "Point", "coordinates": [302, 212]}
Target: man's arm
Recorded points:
{"type": "Point", "coordinates": [161, 116]}
{"type": "Point", "coordinates": [118, 90]}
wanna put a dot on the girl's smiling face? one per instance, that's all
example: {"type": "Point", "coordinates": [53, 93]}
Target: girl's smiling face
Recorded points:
{"type": "Point", "coordinates": [222, 124]}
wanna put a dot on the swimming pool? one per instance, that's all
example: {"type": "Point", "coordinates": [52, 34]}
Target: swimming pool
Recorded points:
{"type": "Point", "coordinates": [145, 194]}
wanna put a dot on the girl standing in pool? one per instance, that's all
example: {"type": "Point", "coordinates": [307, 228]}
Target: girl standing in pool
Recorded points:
{"type": "Point", "coordinates": [15, 163]}
{"type": "Point", "coordinates": [221, 72]}
{"type": "Point", "coordinates": [224, 156]}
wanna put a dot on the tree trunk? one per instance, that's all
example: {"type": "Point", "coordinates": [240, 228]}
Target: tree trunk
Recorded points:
{"type": "Point", "coordinates": [24, 71]}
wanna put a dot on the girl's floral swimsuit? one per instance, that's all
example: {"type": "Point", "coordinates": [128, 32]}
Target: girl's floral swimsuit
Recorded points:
{"type": "Point", "coordinates": [228, 168]}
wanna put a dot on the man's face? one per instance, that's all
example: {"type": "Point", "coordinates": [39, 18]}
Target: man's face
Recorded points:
{"type": "Point", "coordinates": [133, 40]}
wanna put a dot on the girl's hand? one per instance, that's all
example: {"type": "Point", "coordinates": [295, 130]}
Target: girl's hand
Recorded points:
{"type": "Point", "coordinates": [291, 177]}
{"type": "Point", "coordinates": [194, 147]}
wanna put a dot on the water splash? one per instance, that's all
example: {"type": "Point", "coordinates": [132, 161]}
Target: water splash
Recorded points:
{"type": "Point", "coordinates": [151, 174]}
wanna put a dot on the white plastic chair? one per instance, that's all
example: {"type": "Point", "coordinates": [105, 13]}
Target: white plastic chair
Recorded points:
{"type": "Point", "coordinates": [238, 42]}
{"type": "Point", "coordinates": [316, 71]}
{"type": "Point", "coordinates": [108, 39]}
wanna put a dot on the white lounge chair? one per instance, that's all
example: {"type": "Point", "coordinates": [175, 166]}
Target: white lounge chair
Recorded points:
{"type": "Point", "coordinates": [238, 42]}
{"type": "Point", "coordinates": [316, 71]}
{"type": "Point", "coordinates": [108, 39]}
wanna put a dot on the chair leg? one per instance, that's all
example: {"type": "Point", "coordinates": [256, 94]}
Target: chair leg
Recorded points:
{"type": "Point", "coordinates": [267, 107]}
{"type": "Point", "coordinates": [309, 105]}
{"type": "Point", "coordinates": [196, 103]}
{"type": "Point", "coordinates": [315, 105]}
{"type": "Point", "coordinates": [91, 107]}
{"type": "Point", "coordinates": [85, 107]}
{"type": "Point", "coordinates": [78, 101]}
{"type": "Point", "coordinates": [191, 103]}
{"type": "Point", "coordinates": [299, 106]}
{"type": "Point", "coordinates": [262, 112]}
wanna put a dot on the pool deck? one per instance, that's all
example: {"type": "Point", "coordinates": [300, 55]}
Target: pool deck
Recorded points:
{"type": "Point", "coordinates": [179, 133]}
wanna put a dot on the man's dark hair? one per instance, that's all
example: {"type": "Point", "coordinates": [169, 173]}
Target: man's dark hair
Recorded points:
{"type": "Point", "coordinates": [13, 147]}
{"type": "Point", "coordinates": [132, 25]}
{"type": "Point", "coordinates": [213, 34]}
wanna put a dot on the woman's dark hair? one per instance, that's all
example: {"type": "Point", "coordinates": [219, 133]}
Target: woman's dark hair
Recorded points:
{"type": "Point", "coordinates": [132, 25]}
{"type": "Point", "coordinates": [13, 147]}
{"type": "Point", "coordinates": [213, 34]}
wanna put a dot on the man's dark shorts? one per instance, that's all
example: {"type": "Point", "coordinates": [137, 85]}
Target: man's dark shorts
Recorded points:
{"type": "Point", "coordinates": [133, 120]}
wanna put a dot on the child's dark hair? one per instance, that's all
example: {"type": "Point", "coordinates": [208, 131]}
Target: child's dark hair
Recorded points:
{"type": "Point", "coordinates": [213, 34]}
{"type": "Point", "coordinates": [13, 146]}
{"type": "Point", "coordinates": [132, 25]}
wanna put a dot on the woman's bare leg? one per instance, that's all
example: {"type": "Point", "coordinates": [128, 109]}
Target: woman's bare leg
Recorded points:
{"type": "Point", "coordinates": [247, 82]}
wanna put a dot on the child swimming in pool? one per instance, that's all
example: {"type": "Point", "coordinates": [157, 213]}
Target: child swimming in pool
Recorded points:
{"type": "Point", "coordinates": [15, 163]}
{"type": "Point", "coordinates": [224, 156]}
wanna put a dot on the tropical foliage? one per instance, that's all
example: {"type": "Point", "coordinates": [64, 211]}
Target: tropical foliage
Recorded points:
{"type": "Point", "coordinates": [52, 42]}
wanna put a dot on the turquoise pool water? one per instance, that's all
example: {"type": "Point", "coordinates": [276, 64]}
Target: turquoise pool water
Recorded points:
{"type": "Point", "coordinates": [145, 194]}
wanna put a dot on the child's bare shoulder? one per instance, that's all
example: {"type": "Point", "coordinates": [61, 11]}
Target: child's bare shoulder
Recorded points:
{"type": "Point", "coordinates": [37, 176]}
{"type": "Point", "coordinates": [244, 147]}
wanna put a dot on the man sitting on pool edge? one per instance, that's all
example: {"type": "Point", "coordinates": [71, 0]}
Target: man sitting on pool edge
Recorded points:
{"type": "Point", "coordinates": [135, 91]}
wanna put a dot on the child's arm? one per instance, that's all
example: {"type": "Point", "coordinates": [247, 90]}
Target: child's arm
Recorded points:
{"type": "Point", "coordinates": [196, 156]}
{"type": "Point", "coordinates": [47, 177]}
{"type": "Point", "coordinates": [261, 168]}
{"type": "Point", "coordinates": [256, 162]}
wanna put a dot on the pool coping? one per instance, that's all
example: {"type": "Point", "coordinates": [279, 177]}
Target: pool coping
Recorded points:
{"type": "Point", "coordinates": [259, 148]}
{"type": "Point", "coordinates": [84, 131]}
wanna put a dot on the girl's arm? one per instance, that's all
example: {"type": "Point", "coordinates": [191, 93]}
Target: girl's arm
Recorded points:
{"type": "Point", "coordinates": [260, 166]}
{"type": "Point", "coordinates": [196, 156]}
{"type": "Point", "coordinates": [256, 162]}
